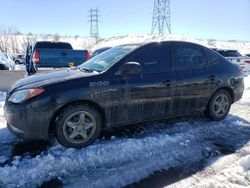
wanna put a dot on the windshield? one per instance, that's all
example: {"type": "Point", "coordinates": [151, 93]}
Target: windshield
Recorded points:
{"type": "Point", "coordinates": [106, 59]}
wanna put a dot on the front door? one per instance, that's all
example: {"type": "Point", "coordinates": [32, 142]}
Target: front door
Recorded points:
{"type": "Point", "coordinates": [150, 94]}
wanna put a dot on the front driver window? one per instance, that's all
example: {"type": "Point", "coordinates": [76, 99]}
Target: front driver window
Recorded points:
{"type": "Point", "coordinates": [154, 58]}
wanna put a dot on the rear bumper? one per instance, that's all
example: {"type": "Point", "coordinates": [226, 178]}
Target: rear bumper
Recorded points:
{"type": "Point", "coordinates": [238, 90]}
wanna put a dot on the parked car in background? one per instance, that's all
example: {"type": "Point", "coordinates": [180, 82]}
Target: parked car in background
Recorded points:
{"type": "Point", "coordinates": [18, 59]}
{"type": "Point", "coordinates": [248, 55]}
{"type": "Point", "coordinates": [5, 64]}
{"type": "Point", "coordinates": [127, 84]}
{"type": "Point", "coordinates": [100, 50]}
{"type": "Point", "coordinates": [12, 64]}
{"type": "Point", "coordinates": [235, 57]}
{"type": "Point", "coordinates": [46, 54]}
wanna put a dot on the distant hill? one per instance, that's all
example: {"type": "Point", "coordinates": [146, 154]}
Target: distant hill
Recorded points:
{"type": "Point", "coordinates": [18, 43]}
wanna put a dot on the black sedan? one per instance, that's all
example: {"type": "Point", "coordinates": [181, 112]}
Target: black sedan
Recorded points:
{"type": "Point", "coordinates": [127, 84]}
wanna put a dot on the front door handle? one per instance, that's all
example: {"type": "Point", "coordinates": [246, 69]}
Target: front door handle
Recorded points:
{"type": "Point", "coordinates": [167, 83]}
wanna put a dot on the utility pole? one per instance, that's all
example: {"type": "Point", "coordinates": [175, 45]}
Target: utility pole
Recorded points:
{"type": "Point", "coordinates": [94, 21]}
{"type": "Point", "coordinates": [161, 22]}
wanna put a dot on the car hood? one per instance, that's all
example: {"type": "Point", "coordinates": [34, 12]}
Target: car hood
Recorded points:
{"type": "Point", "coordinates": [43, 79]}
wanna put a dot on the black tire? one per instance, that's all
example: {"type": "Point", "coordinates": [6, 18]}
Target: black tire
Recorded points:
{"type": "Point", "coordinates": [72, 116]}
{"type": "Point", "coordinates": [17, 62]}
{"type": "Point", "coordinates": [212, 110]}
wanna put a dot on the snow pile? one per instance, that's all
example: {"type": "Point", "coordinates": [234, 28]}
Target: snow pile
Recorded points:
{"type": "Point", "coordinates": [122, 161]}
{"type": "Point", "coordinates": [2, 98]}
{"type": "Point", "coordinates": [229, 171]}
{"type": "Point", "coordinates": [5, 135]}
{"type": "Point", "coordinates": [246, 97]}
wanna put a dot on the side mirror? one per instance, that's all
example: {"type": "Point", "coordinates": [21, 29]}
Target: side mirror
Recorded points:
{"type": "Point", "coordinates": [129, 69]}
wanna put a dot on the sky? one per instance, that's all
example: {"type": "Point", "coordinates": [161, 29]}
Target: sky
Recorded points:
{"type": "Point", "coordinates": [205, 19]}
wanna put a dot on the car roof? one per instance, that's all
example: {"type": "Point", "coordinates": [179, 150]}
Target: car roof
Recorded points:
{"type": "Point", "coordinates": [164, 41]}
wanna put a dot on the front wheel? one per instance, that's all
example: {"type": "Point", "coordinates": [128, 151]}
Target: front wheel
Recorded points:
{"type": "Point", "coordinates": [78, 126]}
{"type": "Point", "coordinates": [219, 105]}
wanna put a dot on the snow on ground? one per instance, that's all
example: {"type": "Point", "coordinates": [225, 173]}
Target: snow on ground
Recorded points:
{"type": "Point", "coordinates": [20, 67]}
{"type": "Point", "coordinates": [232, 170]}
{"type": "Point", "coordinates": [2, 98]}
{"type": "Point", "coordinates": [135, 153]}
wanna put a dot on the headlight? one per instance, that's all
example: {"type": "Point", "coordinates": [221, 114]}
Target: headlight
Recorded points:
{"type": "Point", "coordinates": [23, 95]}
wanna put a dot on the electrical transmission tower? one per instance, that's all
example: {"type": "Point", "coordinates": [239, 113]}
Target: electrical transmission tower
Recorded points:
{"type": "Point", "coordinates": [94, 21]}
{"type": "Point", "coordinates": [161, 17]}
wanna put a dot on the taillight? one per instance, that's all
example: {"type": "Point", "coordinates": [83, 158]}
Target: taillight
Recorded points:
{"type": "Point", "coordinates": [247, 61]}
{"type": "Point", "coordinates": [87, 56]}
{"type": "Point", "coordinates": [36, 57]}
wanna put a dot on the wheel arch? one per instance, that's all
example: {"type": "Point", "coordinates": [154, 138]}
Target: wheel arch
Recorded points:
{"type": "Point", "coordinates": [228, 89]}
{"type": "Point", "coordinates": [78, 102]}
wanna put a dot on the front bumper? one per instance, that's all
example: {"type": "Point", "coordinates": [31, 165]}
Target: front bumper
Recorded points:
{"type": "Point", "coordinates": [28, 121]}
{"type": "Point", "coordinates": [17, 132]}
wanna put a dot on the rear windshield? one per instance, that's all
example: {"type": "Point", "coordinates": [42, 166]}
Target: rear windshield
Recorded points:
{"type": "Point", "coordinates": [230, 53]}
{"type": "Point", "coordinates": [53, 45]}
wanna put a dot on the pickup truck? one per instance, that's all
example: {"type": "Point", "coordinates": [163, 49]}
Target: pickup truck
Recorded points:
{"type": "Point", "coordinates": [235, 57]}
{"type": "Point", "coordinates": [53, 55]}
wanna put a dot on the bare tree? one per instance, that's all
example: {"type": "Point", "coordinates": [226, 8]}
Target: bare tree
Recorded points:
{"type": "Point", "coordinates": [3, 38]}
{"type": "Point", "coordinates": [56, 37]}
{"type": "Point", "coordinates": [28, 39]}
{"type": "Point", "coordinates": [9, 39]}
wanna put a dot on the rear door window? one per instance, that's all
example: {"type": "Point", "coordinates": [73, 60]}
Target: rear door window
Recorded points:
{"type": "Point", "coordinates": [213, 58]}
{"type": "Point", "coordinates": [189, 56]}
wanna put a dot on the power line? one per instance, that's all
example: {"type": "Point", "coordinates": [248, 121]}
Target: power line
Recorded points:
{"type": "Point", "coordinates": [94, 21]}
{"type": "Point", "coordinates": [161, 22]}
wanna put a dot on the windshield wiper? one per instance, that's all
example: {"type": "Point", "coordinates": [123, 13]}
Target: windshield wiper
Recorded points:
{"type": "Point", "coordinates": [86, 70]}
{"type": "Point", "coordinates": [89, 70]}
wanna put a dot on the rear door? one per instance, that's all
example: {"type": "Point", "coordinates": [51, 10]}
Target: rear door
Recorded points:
{"type": "Point", "coordinates": [192, 77]}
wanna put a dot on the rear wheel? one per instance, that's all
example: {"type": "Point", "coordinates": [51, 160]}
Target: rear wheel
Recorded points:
{"type": "Point", "coordinates": [78, 126]}
{"type": "Point", "coordinates": [219, 105]}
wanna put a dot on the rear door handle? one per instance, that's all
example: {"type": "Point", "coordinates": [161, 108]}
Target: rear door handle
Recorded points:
{"type": "Point", "coordinates": [211, 77]}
